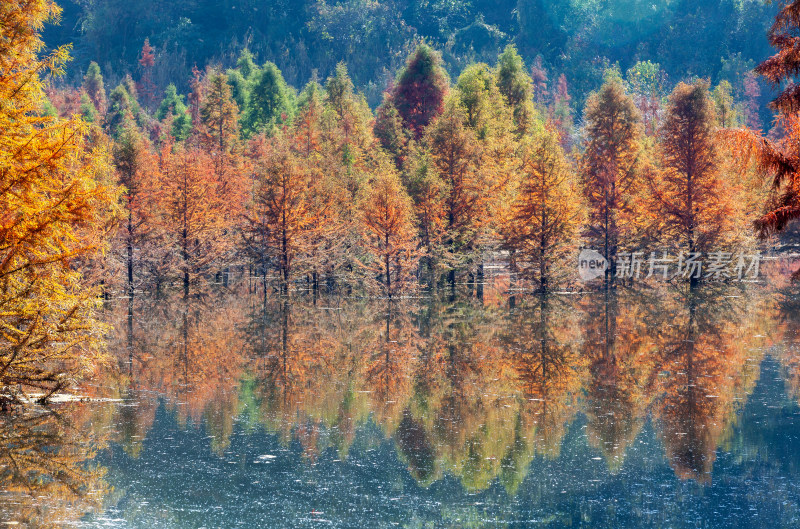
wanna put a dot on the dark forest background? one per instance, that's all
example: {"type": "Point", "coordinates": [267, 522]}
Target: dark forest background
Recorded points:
{"type": "Point", "coordinates": [715, 39]}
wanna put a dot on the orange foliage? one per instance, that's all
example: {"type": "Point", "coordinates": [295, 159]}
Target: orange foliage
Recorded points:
{"type": "Point", "coordinates": [54, 206]}
{"type": "Point", "coordinates": [196, 210]}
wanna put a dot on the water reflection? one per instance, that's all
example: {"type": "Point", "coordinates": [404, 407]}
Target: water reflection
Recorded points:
{"type": "Point", "coordinates": [463, 388]}
{"type": "Point", "coordinates": [474, 391]}
{"type": "Point", "coordinates": [47, 478]}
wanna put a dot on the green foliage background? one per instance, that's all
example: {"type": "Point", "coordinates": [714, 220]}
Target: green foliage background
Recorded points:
{"type": "Point", "coordinates": [717, 39]}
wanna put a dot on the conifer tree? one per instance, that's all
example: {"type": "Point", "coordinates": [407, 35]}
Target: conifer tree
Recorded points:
{"type": "Point", "coordinates": [340, 89]}
{"type": "Point", "coordinates": [561, 112]}
{"type": "Point", "coordinates": [352, 114]}
{"type": "Point", "coordinates": [196, 210]}
{"type": "Point", "coordinates": [54, 208]}
{"type": "Point", "coordinates": [173, 105]}
{"type": "Point", "coordinates": [240, 88]}
{"type": "Point", "coordinates": [428, 192]}
{"type": "Point", "coordinates": [779, 160]}
{"type": "Point", "coordinates": [456, 154]}
{"type": "Point", "coordinates": [389, 130]}
{"type": "Point", "coordinates": [517, 87]}
{"type": "Point", "coordinates": [246, 65]}
{"type": "Point", "coordinates": [694, 201]}
{"type": "Point", "coordinates": [539, 79]}
{"type": "Point", "coordinates": [389, 231]}
{"type": "Point", "coordinates": [492, 120]}
{"type": "Point", "coordinates": [420, 90]}
{"type": "Point", "coordinates": [94, 87]}
{"type": "Point", "coordinates": [281, 212]}
{"type": "Point", "coordinates": [219, 113]}
{"type": "Point", "coordinates": [541, 224]}
{"type": "Point", "coordinates": [131, 158]}
{"type": "Point", "coordinates": [349, 136]}
{"type": "Point", "coordinates": [727, 113]}
{"type": "Point", "coordinates": [313, 146]}
{"type": "Point", "coordinates": [645, 82]}
{"type": "Point", "coordinates": [122, 107]}
{"type": "Point", "coordinates": [610, 168]}
{"type": "Point", "coordinates": [269, 102]}
{"type": "Point", "coordinates": [88, 110]}
{"type": "Point", "coordinates": [752, 94]}
{"type": "Point", "coordinates": [147, 88]}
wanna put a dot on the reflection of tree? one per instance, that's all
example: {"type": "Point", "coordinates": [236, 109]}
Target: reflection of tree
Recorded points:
{"type": "Point", "coordinates": [391, 357]}
{"type": "Point", "coordinates": [460, 387]}
{"type": "Point", "coordinates": [543, 338]}
{"type": "Point", "coordinates": [704, 368]}
{"type": "Point", "coordinates": [464, 391]}
{"type": "Point", "coordinates": [618, 345]}
{"type": "Point", "coordinates": [130, 343]}
{"type": "Point", "coordinates": [302, 376]}
{"type": "Point", "coordinates": [788, 306]}
{"type": "Point", "coordinates": [188, 350]}
{"type": "Point", "coordinates": [46, 478]}
{"type": "Point", "coordinates": [416, 449]}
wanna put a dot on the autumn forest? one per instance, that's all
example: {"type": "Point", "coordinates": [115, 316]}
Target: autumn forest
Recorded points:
{"type": "Point", "coordinates": [446, 226]}
{"type": "Point", "coordinates": [312, 186]}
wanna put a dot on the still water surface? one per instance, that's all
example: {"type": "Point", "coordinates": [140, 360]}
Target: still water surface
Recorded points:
{"type": "Point", "coordinates": [656, 408]}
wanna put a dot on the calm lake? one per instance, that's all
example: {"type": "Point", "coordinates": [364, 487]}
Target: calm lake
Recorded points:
{"type": "Point", "coordinates": [652, 407]}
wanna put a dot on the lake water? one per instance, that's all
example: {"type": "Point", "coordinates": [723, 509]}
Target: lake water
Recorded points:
{"type": "Point", "coordinates": [648, 408]}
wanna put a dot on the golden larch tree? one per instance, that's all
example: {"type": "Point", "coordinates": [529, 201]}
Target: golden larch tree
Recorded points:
{"type": "Point", "coordinates": [53, 207]}
{"type": "Point", "coordinates": [541, 224]}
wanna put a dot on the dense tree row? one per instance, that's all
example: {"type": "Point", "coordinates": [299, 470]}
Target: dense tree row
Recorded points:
{"type": "Point", "coordinates": [245, 173]}
{"type": "Point", "coordinates": [442, 178]}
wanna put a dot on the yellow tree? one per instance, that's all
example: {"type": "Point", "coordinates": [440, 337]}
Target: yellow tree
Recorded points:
{"type": "Point", "coordinates": [388, 230]}
{"type": "Point", "coordinates": [314, 150]}
{"type": "Point", "coordinates": [455, 154]}
{"type": "Point", "coordinates": [52, 210]}
{"type": "Point", "coordinates": [490, 116]}
{"type": "Point", "coordinates": [428, 192]}
{"type": "Point", "coordinates": [541, 224]}
{"type": "Point", "coordinates": [48, 478]}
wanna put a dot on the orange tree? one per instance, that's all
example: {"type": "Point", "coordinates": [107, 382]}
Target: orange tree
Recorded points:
{"type": "Point", "coordinates": [541, 223]}
{"type": "Point", "coordinates": [195, 209]}
{"type": "Point", "coordinates": [281, 213]}
{"type": "Point", "coordinates": [389, 231]}
{"type": "Point", "coordinates": [52, 206]}
{"type": "Point", "coordinates": [694, 200]}
{"type": "Point", "coordinates": [610, 168]}
{"type": "Point", "coordinates": [779, 159]}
